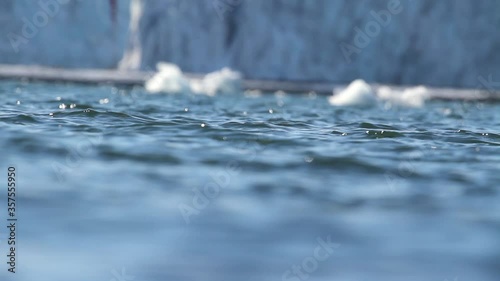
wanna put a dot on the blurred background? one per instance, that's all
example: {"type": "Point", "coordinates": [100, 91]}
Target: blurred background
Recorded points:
{"type": "Point", "coordinates": [438, 43]}
{"type": "Point", "coordinates": [119, 184]}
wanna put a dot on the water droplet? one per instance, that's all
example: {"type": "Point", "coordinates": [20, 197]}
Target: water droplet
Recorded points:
{"type": "Point", "coordinates": [308, 159]}
{"type": "Point", "coordinates": [203, 125]}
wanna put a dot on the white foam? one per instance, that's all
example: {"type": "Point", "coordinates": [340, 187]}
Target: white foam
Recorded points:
{"type": "Point", "coordinates": [358, 93]}
{"type": "Point", "coordinates": [411, 97]}
{"type": "Point", "coordinates": [168, 79]}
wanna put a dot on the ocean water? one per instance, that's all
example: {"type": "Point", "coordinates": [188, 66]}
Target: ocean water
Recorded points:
{"type": "Point", "coordinates": [118, 184]}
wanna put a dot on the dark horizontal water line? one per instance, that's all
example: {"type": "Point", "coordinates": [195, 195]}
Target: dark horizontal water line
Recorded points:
{"type": "Point", "coordinates": [133, 78]}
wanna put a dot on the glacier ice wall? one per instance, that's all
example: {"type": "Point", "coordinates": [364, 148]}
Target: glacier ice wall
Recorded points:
{"type": "Point", "coordinates": [440, 43]}
{"type": "Point", "coordinates": [63, 33]}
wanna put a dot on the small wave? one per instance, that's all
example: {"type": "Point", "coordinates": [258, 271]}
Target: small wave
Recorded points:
{"type": "Point", "coordinates": [19, 119]}
{"type": "Point", "coordinates": [111, 154]}
{"type": "Point", "coordinates": [89, 112]}
{"type": "Point", "coordinates": [367, 125]}
{"type": "Point", "coordinates": [384, 134]}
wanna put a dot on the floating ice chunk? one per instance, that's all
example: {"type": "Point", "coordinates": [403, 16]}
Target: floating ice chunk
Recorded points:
{"type": "Point", "coordinates": [385, 93]}
{"type": "Point", "coordinates": [219, 82]}
{"type": "Point", "coordinates": [416, 96]}
{"type": "Point", "coordinates": [358, 93]}
{"type": "Point", "coordinates": [411, 97]}
{"type": "Point", "coordinates": [168, 79]}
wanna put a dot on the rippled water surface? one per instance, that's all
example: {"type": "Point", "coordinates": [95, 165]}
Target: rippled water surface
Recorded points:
{"type": "Point", "coordinates": [117, 183]}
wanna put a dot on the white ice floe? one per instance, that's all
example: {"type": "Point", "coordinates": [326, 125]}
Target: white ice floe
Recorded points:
{"type": "Point", "coordinates": [411, 97]}
{"type": "Point", "coordinates": [358, 93]}
{"type": "Point", "coordinates": [168, 79]}
{"type": "Point", "coordinates": [219, 82]}
{"type": "Point", "coordinates": [225, 81]}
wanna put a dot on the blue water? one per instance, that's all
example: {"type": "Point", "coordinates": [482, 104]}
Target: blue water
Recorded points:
{"type": "Point", "coordinates": [106, 178]}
